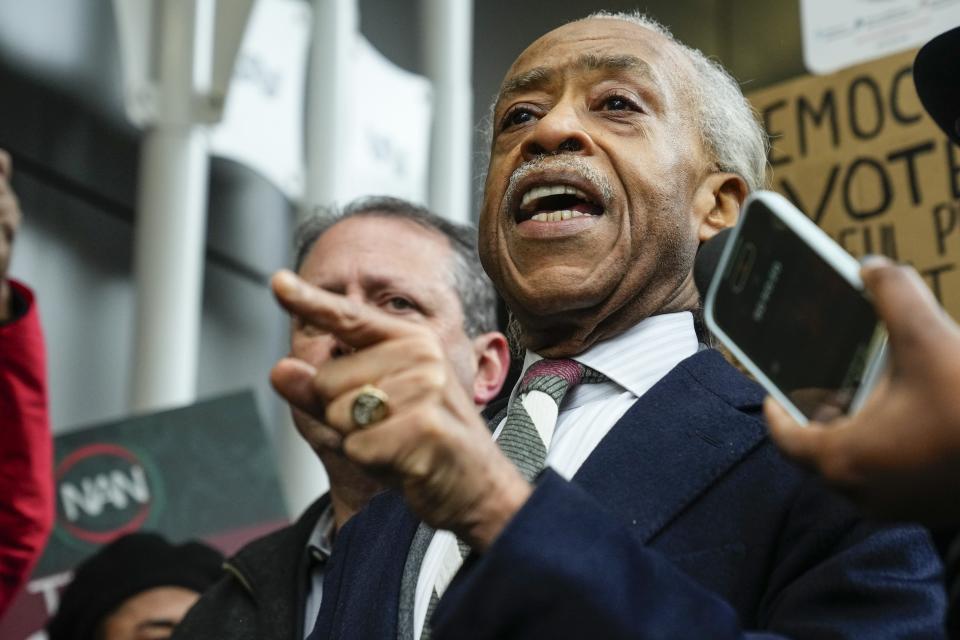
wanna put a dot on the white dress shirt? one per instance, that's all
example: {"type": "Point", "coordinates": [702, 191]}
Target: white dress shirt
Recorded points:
{"type": "Point", "coordinates": [633, 362]}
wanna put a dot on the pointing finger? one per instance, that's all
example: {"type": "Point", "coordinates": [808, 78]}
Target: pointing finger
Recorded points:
{"type": "Point", "coordinates": [355, 324]}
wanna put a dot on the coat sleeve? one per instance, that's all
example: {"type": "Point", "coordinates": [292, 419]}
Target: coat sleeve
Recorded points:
{"type": "Point", "coordinates": [26, 448]}
{"type": "Point", "coordinates": [564, 567]}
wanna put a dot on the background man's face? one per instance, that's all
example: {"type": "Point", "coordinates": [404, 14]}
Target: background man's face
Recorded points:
{"type": "Point", "coordinates": [397, 266]}
{"type": "Point", "coordinates": [593, 107]}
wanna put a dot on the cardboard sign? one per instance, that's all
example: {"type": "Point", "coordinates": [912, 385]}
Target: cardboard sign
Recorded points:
{"type": "Point", "coordinates": [857, 153]}
{"type": "Point", "coordinates": [203, 472]}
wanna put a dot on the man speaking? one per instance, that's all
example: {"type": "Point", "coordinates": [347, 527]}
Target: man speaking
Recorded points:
{"type": "Point", "coordinates": [630, 490]}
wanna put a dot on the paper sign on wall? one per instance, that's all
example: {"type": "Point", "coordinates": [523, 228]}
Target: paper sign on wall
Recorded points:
{"type": "Point", "coordinates": [841, 33]}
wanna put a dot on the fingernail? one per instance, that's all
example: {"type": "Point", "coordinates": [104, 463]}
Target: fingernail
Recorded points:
{"type": "Point", "coordinates": [285, 283]}
{"type": "Point", "coordinates": [771, 405]}
{"type": "Point", "coordinates": [872, 261]}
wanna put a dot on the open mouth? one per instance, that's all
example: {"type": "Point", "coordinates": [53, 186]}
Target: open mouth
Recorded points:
{"type": "Point", "coordinates": [554, 203]}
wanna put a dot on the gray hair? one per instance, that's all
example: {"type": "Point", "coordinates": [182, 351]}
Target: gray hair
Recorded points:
{"type": "Point", "coordinates": [473, 287]}
{"type": "Point", "coordinates": [727, 122]}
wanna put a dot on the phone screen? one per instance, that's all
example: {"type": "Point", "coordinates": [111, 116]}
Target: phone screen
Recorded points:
{"type": "Point", "coordinates": [806, 327]}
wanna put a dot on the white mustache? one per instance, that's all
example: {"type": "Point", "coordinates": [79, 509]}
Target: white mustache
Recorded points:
{"type": "Point", "coordinates": [573, 164]}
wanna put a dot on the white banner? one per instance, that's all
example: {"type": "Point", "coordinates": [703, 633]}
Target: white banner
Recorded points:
{"type": "Point", "coordinates": [842, 33]}
{"type": "Point", "coordinates": [262, 124]}
{"type": "Point", "coordinates": [387, 148]}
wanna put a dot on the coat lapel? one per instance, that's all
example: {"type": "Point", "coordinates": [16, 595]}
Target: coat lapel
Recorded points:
{"type": "Point", "coordinates": [675, 442]}
{"type": "Point", "coordinates": [362, 585]}
{"type": "Point", "coordinates": [275, 569]}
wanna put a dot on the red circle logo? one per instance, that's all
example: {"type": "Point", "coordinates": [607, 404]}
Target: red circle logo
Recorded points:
{"type": "Point", "coordinates": [103, 493]}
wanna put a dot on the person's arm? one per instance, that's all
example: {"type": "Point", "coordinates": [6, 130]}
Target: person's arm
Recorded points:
{"type": "Point", "coordinates": [899, 456]}
{"type": "Point", "coordinates": [552, 547]}
{"type": "Point", "coordinates": [26, 449]}
{"type": "Point", "coordinates": [9, 222]}
{"type": "Point", "coordinates": [566, 567]}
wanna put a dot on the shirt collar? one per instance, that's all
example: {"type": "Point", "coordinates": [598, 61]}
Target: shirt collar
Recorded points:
{"type": "Point", "coordinates": [637, 358]}
{"type": "Point", "coordinates": [320, 544]}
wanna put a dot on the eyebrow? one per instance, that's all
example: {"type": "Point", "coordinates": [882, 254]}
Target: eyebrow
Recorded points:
{"type": "Point", "coordinates": [539, 76]}
{"type": "Point", "coordinates": [530, 79]}
{"type": "Point", "coordinates": [375, 281]}
{"type": "Point", "coordinates": [379, 282]}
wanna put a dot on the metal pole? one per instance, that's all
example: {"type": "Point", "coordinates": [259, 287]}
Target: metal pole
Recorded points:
{"type": "Point", "coordinates": [448, 50]}
{"type": "Point", "coordinates": [171, 221]}
{"type": "Point", "coordinates": [328, 121]}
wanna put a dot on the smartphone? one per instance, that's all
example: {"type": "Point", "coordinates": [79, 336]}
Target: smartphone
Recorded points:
{"type": "Point", "coordinates": [788, 302]}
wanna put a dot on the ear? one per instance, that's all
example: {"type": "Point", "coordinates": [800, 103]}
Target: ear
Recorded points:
{"type": "Point", "coordinates": [717, 203]}
{"type": "Point", "coordinates": [493, 363]}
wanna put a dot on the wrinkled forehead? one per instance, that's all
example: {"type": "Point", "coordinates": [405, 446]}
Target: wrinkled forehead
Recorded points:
{"type": "Point", "coordinates": [394, 240]}
{"type": "Point", "coordinates": [600, 43]}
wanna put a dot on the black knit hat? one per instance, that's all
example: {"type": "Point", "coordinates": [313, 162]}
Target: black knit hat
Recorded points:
{"type": "Point", "coordinates": [936, 72]}
{"type": "Point", "coordinates": [127, 566]}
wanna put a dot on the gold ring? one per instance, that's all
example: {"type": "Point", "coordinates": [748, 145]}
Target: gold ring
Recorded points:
{"type": "Point", "coordinates": [369, 406]}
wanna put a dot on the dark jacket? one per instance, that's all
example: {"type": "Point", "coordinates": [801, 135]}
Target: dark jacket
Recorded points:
{"type": "Point", "coordinates": [684, 522]}
{"type": "Point", "coordinates": [261, 594]}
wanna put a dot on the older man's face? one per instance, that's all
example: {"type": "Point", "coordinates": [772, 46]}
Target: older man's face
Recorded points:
{"type": "Point", "coordinates": [588, 222]}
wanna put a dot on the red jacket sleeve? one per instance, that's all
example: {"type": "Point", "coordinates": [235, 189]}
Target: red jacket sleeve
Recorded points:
{"type": "Point", "coordinates": [26, 449]}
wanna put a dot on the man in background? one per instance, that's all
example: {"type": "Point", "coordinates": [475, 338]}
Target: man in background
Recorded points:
{"type": "Point", "coordinates": [384, 254]}
{"type": "Point", "coordinates": [26, 448]}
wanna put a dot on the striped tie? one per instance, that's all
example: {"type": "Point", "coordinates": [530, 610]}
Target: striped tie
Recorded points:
{"type": "Point", "coordinates": [532, 418]}
{"type": "Point", "coordinates": [524, 439]}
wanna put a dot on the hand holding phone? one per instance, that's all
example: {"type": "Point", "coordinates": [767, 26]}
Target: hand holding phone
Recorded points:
{"type": "Point", "coordinates": [788, 302]}
{"type": "Point", "coordinates": [899, 455]}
